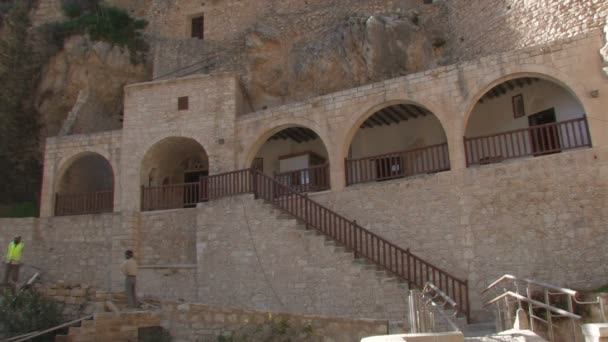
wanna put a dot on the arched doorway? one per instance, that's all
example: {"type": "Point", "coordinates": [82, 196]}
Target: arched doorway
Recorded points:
{"type": "Point", "coordinates": [399, 140]}
{"type": "Point", "coordinates": [86, 186]}
{"type": "Point", "coordinates": [524, 117]}
{"type": "Point", "coordinates": [295, 156]}
{"type": "Point", "coordinates": [172, 174]}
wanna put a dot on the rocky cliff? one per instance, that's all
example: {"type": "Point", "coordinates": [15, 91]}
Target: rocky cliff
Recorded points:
{"type": "Point", "coordinates": [84, 82]}
{"type": "Point", "coordinates": [279, 66]}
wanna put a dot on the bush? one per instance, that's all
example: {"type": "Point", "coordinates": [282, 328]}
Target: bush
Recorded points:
{"type": "Point", "coordinates": [76, 8]}
{"type": "Point", "coordinates": [29, 312]}
{"type": "Point", "coordinates": [22, 209]}
{"type": "Point", "coordinates": [101, 23]}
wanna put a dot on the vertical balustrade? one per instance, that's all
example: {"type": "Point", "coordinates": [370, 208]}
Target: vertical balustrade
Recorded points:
{"type": "Point", "coordinates": [532, 141]}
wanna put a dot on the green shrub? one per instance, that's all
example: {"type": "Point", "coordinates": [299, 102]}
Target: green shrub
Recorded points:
{"type": "Point", "coordinates": [22, 209]}
{"type": "Point", "coordinates": [76, 8]}
{"type": "Point", "coordinates": [101, 23]}
{"type": "Point", "coordinates": [29, 312]}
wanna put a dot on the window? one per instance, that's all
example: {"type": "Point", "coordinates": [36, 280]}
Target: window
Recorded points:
{"type": "Point", "coordinates": [198, 27]}
{"type": "Point", "coordinates": [182, 103]}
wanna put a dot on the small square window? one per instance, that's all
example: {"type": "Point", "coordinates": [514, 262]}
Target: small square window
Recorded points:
{"type": "Point", "coordinates": [198, 27]}
{"type": "Point", "coordinates": [182, 103]}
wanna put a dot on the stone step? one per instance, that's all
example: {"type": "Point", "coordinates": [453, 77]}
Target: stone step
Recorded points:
{"type": "Point", "coordinates": [479, 329]}
{"type": "Point", "coordinates": [395, 327]}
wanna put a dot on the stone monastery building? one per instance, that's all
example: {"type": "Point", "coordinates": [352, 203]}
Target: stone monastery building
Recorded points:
{"type": "Point", "coordinates": [493, 160]}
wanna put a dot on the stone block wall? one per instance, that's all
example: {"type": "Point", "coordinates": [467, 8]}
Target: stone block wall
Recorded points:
{"type": "Point", "coordinates": [167, 237]}
{"type": "Point", "coordinates": [483, 27]}
{"type": "Point", "coordinates": [166, 251]}
{"type": "Point", "coordinates": [189, 322]}
{"type": "Point", "coordinates": [226, 19]}
{"type": "Point", "coordinates": [542, 218]}
{"type": "Point", "coordinates": [73, 250]}
{"type": "Point", "coordinates": [249, 256]}
{"type": "Point", "coordinates": [151, 115]}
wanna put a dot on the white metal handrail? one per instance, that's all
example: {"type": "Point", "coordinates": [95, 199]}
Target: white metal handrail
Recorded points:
{"type": "Point", "coordinates": [548, 291]}
{"type": "Point", "coordinates": [421, 314]}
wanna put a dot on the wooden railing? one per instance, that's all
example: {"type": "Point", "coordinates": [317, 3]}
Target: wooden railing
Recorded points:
{"type": "Point", "coordinates": [392, 258]}
{"type": "Point", "coordinates": [532, 141]}
{"type": "Point", "coordinates": [312, 179]}
{"type": "Point", "coordinates": [84, 203]}
{"type": "Point", "coordinates": [172, 196]}
{"type": "Point", "coordinates": [185, 195]}
{"type": "Point", "coordinates": [421, 160]}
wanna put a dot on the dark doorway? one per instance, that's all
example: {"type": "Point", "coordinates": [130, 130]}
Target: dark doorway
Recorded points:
{"type": "Point", "coordinates": [389, 167]}
{"type": "Point", "coordinates": [544, 136]}
{"type": "Point", "coordinates": [198, 27]}
{"type": "Point", "coordinates": [193, 194]}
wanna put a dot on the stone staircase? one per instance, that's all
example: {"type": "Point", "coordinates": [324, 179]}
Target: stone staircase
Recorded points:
{"type": "Point", "coordinates": [377, 275]}
{"type": "Point", "coordinates": [109, 326]}
{"type": "Point", "coordinates": [386, 294]}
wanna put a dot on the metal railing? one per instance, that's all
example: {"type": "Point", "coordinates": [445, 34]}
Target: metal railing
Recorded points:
{"type": "Point", "coordinates": [84, 203]}
{"type": "Point", "coordinates": [427, 307]}
{"type": "Point", "coordinates": [540, 298]}
{"type": "Point", "coordinates": [312, 179]}
{"type": "Point", "coordinates": [532, 141]}
{"type": "Point", "coordinates": [428, 159]}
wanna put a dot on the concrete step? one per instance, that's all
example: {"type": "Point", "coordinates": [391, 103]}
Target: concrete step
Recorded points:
{"type": "Point", "coordinates": [479, 329]}
{"type": "Point", "coordinates": [395, 327]}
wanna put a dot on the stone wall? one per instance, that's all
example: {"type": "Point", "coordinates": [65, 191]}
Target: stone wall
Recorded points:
{"type": "Point", "coordinates": [542, 218]}
{"type": "Point", "coordinates": [250, 256]}
{"type": "Point", "coordinates": [166, 251]}
{"type": "Point", "coordinates": [483, 27]}
{"type": "Point", "coordinates": [152, 115]}
{"type": "Point", "coordinates": [167, 237]}
{"type": "Point", "coordinates": [226, 19]}
{"type": "Point", "coordinates": [189, 322]}
{"type": "Point", "coordinates": [74, 250]}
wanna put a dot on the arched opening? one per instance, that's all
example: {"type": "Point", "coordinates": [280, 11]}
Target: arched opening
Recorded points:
{"type": "Point", "coordinates": [524, 117]}
{"type": "Point", "coordinates": [172, 174]}
{"type": "Point", "coordinates": [295, 156]}
{"type": "Point", "coordinates": [399, 140]}
{"type": "Point", "coordinates": [86, 186]}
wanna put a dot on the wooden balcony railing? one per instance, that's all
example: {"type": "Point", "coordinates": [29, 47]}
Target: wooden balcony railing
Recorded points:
{"type": "Point", "coordinates": [185, 195]}
{"type": "Point", "coordinates": [312, 179]}
{"type": "Point", "coordinates": [421, 160]}
{"type": "Point", "coordinates": [533, 141]}
{"type": "Point", "coordinates": [84, 203]}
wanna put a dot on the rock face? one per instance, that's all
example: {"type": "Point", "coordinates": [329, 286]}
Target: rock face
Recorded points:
{"type": "Point", "coordinates": [279, 67]}
{"type": "Point", "coordinates": [97, 72]}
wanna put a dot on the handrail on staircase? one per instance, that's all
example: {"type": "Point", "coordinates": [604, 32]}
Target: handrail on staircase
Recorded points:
{"type": "Point", "coordinates": [532, 298]}
{"type": "Point", "coordinates": [394, 259]}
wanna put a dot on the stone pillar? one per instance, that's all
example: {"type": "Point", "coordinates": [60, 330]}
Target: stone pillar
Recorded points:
{"type": "Point", "coordinates": [596, 332]}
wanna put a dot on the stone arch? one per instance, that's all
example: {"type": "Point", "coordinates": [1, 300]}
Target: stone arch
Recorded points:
{"type": "Point", "coordinates": [293, 154]}
{"type": "Point", "coordinates": [395, 139]}
{"type": "Point", "coordinates": [523, 113]}
{"type": "Point", "coordinates": [492, 79]}
{"type": "Point", "coordinates": [356, 120]}
{"type": "Point", "coordinates": [262, 135]}
{"type": "Point", "coordinates": [87, 171]}
{"type": "Point", "coordinates": [172, 158]}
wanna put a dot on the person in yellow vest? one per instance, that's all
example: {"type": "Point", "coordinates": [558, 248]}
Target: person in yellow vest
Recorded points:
{"type": "Point", "coordinates": [129, 269]}
{"type": "Point", "coordinates": [13, 260]}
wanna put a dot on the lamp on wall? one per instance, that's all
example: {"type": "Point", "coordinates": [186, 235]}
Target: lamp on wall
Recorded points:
{"type": "Point", "coordinates": [594, 93]}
